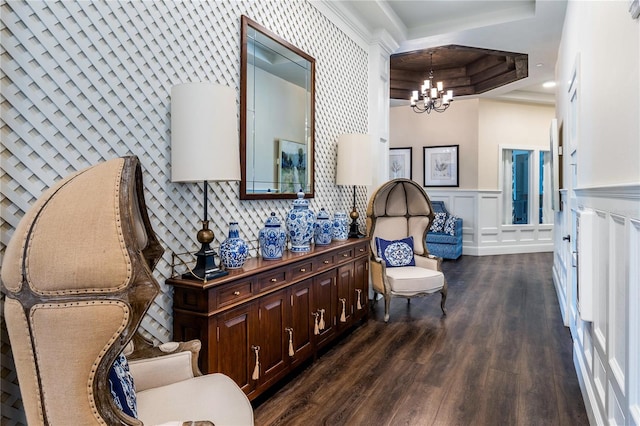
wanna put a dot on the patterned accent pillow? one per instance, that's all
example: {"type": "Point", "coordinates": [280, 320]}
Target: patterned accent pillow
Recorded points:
{"type": "Point", "coordinates": [450, 225]}
{"type": "Point", "coordinates": [438, 222]}
{"type": "Point", "coordinates": [122, 387]}
{"type": "Point", "coordinates": [397, 252]}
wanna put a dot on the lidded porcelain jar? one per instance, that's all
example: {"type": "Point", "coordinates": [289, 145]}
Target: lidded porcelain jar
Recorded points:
{"type": "Point", "coordinates": [340, 226]}
{"type": "Point", "coordinates": [234, 250]}
{"type": "Point", "coordinates": [300, 223]}
{"type": "Point", "coordinates": [323, 231]}
{"type": "Point", "coordinates": [272, 238]}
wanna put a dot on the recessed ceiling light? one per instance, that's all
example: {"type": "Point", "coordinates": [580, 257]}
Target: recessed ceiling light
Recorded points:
{"type": "Point", "coordinates": [549, 84]}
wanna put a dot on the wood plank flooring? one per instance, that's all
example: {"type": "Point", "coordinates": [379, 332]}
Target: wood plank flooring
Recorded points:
{"type": "Point", "coordinates": [501, 357]}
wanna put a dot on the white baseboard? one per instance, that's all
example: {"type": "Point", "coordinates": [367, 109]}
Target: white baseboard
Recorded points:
{"type": "Point", "coordinates": [506, 249]}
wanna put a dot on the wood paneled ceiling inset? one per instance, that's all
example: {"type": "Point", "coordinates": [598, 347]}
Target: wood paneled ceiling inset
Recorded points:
{"type": "Point", "coordinates": [465, 70]}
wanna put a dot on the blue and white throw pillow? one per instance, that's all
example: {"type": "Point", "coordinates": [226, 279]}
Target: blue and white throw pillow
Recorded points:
{"type": "Point", "coordinates": [438, 222]}
{"type": "Point", "coordinates": [450, 225]}
{"type": "Point", "coordinates": [397, 252]}
{"type": "Point", "coordinates": [122, 387]}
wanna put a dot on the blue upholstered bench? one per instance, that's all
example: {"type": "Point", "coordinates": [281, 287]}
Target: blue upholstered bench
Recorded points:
{"type": "Point", "coordinates": [442, 243]}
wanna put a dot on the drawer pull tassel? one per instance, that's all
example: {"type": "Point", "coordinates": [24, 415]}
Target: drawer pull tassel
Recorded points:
{"type": "Point", "coordinates": [359, 304]}
{"type": "Point", "coordinates": [343, 317]}
{"type": "Point", "coordinates": [256, 369]}
{"type": "Point", "coordinates": [316, 329]}
{"type": "Point", "coordinates": [321, 324]}
{"type": "Point", "coordinates": [291, 351]}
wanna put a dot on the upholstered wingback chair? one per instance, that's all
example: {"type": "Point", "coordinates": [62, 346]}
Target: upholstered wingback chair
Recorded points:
{"type": "Point", "coordinates": [397, 211]}
{"type": "Point", "coordinates": [77, 275]}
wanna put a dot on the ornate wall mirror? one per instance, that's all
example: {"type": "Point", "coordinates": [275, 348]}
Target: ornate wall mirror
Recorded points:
{"type": "Point", "coordinates": [277, 93]}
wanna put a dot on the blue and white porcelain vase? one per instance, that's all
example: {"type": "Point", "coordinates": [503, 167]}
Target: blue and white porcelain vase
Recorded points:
{"type": "Point", "coordinates": [234, 250]}
{"type": "Point", "coordinates": [323, 231]}
{"type": "Point", "coordinates": [340, 226]}
{"type": "Point", "coordinates": [300, 223]}
{"type": "Point", "coordinates": [272, 238]}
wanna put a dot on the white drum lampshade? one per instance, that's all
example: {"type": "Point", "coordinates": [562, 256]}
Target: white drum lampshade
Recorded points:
{"type": "Point", "coordinates": [204, 133]}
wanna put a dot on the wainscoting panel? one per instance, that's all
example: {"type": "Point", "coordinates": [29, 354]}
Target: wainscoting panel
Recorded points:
{"type": "Point", "coordinates": [606, 350]}
{"type": "Point", "coordinates": [83, 82]}
{"type": "Point", "coordinates": [634, 318]}
{"type": "Point", "coordinates": [483, 231]}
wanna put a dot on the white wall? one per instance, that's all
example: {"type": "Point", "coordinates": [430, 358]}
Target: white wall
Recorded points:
{"type": "Point", "coordinates": [601, 48]}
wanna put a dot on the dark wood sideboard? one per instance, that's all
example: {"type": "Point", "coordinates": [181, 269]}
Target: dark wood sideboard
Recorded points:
{"type": "Point", "coordinates": [261, 321]}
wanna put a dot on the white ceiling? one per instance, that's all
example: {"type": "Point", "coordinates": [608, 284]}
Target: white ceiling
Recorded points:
{"type": "Point", "coordinates": [533, 27]}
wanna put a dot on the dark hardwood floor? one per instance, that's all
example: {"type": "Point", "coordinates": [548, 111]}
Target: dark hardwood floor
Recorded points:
{"type": "Point", "coordinates": [501, 357]}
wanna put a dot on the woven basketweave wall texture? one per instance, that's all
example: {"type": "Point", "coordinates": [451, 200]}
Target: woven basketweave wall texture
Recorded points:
{"type": "Point", "coordinates": [83, 82]}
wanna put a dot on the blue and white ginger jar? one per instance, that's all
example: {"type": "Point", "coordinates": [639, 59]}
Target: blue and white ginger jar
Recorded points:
{"type": "Point", "coordinates": [340, 226]}
{"type": "Point", "coordinates": [272, 238]}
{"type": "Point", "coordinates": [234, 250]}
{"type": "Point", "coordinates": [300, 223]}
{"type": "Point", "coordinates": [323, 232]}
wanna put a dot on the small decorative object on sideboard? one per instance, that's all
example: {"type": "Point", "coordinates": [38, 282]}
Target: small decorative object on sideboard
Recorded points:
{"type": "Point", "coordinates": [340, 226]}
{"type": "Point", "coordinates": [272, 238]}
{"type": "Point", "coordinates": [300, 222]}
{"type": "Point", "coordinates": [233, 250]}
{"type": "Point", "coordinates": [323, 228]}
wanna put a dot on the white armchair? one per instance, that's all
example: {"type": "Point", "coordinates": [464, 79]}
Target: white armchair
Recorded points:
{"type": "Point", "coordinates": [170, 387]}
{"type": "Point", "coordinates": [398, 217]}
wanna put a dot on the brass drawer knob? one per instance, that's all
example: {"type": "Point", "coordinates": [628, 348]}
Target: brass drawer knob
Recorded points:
{"type": "Point", "coordinates": [326, 262]}
{"type": "Point", "coordinates": [273, 280]}
{"type": "Point", "coordinates": [345, 255]}
{"type": "Point", "coordinates": [303, 270]}
{"type": "Point", "coordinates": [236, 293]}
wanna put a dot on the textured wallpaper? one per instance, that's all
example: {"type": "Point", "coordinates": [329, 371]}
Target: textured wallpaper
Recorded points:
{"type": "Point", "coordinates": [83, 82]}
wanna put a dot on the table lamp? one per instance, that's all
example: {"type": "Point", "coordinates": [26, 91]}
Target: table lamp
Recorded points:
{"type": "Point", "coordinates": [354, 168]}
{"type": "Point", "coordinates": [204, 147]}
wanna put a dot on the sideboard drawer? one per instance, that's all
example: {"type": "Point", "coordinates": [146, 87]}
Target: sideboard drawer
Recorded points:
{"type": "Point", "coordinates": [345, 255]}
{"type": "Point", "coordinates": [362, 249]}
{"type": "Point", "coordinates": [301, 269]}
{"type": "Point", "coordinates": [271, 279]}
{"type": "Point", "coordinates": [326, 261]}
{"type": "Point", "coordinates": [234, 293]}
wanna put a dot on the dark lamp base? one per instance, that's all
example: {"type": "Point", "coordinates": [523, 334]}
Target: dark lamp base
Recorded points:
{"type": "Point", "coordinates": [206, 268]}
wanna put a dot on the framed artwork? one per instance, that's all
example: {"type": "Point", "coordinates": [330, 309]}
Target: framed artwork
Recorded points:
{"type": "Point", "coordinates": [292, 166]}
{"type": "Point", "coordinates": [400, 163]}
{"type": "Point", "coordinates": [441, 165]}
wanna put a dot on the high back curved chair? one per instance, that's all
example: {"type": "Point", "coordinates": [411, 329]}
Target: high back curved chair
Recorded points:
{"type": "Point", "coordinates": [398, 210]}
{"type": "Point", "coordinates": [77, 275]}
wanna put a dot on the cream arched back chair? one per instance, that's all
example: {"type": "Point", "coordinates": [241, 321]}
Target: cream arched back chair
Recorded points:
{"type": "Point", "coordinates": [399, 209]}
{"type": "Point", "coordinates": [77, 275]}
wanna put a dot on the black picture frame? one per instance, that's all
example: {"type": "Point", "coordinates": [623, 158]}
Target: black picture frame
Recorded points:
{"type": "Point", "coordinates": [441, 166]}
{"type": "Point", "coordinates": [400, 163]}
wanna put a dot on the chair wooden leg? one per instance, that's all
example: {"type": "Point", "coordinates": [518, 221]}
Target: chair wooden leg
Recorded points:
{"type": "Point", "coordinates": [387, 302]}
{"type": "Point", "coordinates": [444, 299]}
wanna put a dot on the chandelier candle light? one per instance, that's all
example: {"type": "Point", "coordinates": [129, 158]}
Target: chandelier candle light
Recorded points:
{"type": "Point", "coordinates": [432, 97]}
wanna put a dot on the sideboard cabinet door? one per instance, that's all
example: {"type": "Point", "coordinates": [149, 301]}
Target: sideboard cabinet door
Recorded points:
{"type": "Point", "coordinates": [272, 337]}
{"type": "Point", "coordinates": [300, 329]}
{"type": "Point", "coordinates": [361, 284]}
{"type": "Point", "coordinates": [233, 352]}
{"type": "Point", "coordinates": [324, 307]}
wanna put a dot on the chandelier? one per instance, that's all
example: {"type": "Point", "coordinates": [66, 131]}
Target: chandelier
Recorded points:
{"type": "Point", "coordinates": [431, 97]}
